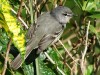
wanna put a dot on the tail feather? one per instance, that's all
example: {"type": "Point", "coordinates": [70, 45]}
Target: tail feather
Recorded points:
{"type": "Point", "coordinates": [16, 63]}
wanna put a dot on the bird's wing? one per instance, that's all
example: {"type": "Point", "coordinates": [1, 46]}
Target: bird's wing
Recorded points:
{"type": "Point", "coordinates": [32, 43]}
{"type": "Point", "coordinates": [30, 31]}
{"type": "Point", "coordinates": [47, 40]}
{"type": "Point", "coordinates": [45, 32]}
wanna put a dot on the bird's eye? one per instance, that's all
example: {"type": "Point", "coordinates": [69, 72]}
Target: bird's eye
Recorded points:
{"type": "Point", "coordinates": [65, 14]}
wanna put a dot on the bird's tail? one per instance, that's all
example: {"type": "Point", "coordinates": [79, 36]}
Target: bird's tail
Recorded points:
{"type": "Point", "coordinates": [16, 63]}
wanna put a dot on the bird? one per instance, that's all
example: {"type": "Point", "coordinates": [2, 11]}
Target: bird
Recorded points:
{"type": "Point", "coordinates": [48, 28]}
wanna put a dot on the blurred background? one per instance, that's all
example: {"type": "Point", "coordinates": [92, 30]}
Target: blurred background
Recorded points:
{"type": "Point", "coordinates": [76, 53]}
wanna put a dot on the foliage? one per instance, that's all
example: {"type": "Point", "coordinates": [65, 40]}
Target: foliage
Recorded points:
{"type": "Point", "coordinates": [12, 27]}
{"type": "Point", "coordinates": [81, 37]}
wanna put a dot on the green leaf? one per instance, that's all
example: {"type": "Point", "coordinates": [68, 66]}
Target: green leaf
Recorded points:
{"type": "Point", "coordinates": [89, 70]}
{"type": "Point", "coordinates": [44, 68]}
{"type": "Point", "coordinates": [95, 16]}
{"type": "Point", "coordinates": [92, 29]}
{"type": "Point", "coordinates": [78, 3]}
{"type": "Point", "coordinates": [3, 22]}
{"type": "Point", "coordinates": [3, 40]}
{"type": "Point", "coordinates": [28, 69]}
{"type": "Point", "coordinates": [18, 73]}
{"type": "Point", "coordinates": [0, 48]}
{"type": "Point", "coordinates": [89, 6]}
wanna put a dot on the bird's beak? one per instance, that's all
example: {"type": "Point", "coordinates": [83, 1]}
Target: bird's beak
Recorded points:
{"type": "Point", "coordinates": [74, 15]}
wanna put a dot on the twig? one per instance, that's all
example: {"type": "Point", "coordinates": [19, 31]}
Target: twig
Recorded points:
{"type": "Point", "coordinates": [58, 51]}
{"type": "Point", "coordinates": [55, 3]}
{"type": "Point", "coordinates": [69, 38]}
{"type": "Point", "coordinates": [31, 11]}
{"type": "Point", "coordinates": [85, 50]}
{"type": "Point", "coordinates": [50, 59]}
{"type": "Point", "coordinates": [67, 51]}
{"type": "Point", "coordinates": [46, 5]}
{"type": "Point", "coordinates": [26, 8]}
{"type": "Point", "coordinates": [37, 66]}
{"type": "Point", "coordinates": [36, 12]}
{"type": "Point", "coordinates": [98, 40]}
{"type": "Point", "coordinates": [20, 8]}
{"type": "Point", "coordinates": [20, 18]}
{"type": "Point", "coordinates": [61, 57]}
{"type": "Point", "coordinates": [61, 2]}
{"type": "Point", "coordinates": [6, 58]}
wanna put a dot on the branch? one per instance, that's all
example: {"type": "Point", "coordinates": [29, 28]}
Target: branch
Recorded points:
{"type": "Point", "coordinates": [20, 18]}
{"type": "Point", "coordinates": [67, 51]}
{"type": "Point", "coordinates": [61, 57]}
{"type": "Point", "coordinates": [6, 58]}
{"type": "Point", "coordinates": [50, 59]}
{"type": "Point", "coordinates": [85, 50]}
{"type": "Point", "coordinates": [20, 8]}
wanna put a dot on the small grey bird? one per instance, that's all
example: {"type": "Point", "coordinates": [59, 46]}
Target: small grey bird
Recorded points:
{"type": "Point", "coordinates": [48, 28]}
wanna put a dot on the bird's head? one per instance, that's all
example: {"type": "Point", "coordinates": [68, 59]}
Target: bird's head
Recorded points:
{"type": "Point", "coordinates": [62, 14]}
